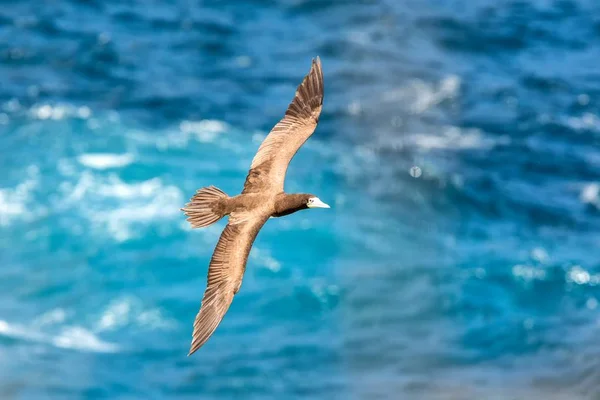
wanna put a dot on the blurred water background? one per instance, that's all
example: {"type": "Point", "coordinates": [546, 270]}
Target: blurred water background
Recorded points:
{"type": "Point", "coordinates": [479, 279]}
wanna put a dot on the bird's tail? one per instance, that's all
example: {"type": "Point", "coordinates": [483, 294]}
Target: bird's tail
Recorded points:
{"type": "Point", "coordinates": [206, 207]}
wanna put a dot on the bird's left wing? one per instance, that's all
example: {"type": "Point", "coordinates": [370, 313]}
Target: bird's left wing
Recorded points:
{"type": "Point", "coordinates": [225, 274]}
{"type": "Point", "coordinates": [267, 172]}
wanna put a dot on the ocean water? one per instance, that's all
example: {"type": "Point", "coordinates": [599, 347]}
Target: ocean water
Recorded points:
{"type": "Point", "coordinates": [475, 277]}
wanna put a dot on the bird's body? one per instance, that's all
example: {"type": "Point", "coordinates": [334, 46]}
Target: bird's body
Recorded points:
{"type": "Point", "coordinates": [262, 198]}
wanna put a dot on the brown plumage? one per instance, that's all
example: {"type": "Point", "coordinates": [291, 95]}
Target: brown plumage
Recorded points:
{"type": "Point", "coordinates": [262, 197]}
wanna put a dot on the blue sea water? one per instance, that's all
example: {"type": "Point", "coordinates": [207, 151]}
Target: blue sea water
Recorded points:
{"type": "Point", "coordinates": [476, 278]}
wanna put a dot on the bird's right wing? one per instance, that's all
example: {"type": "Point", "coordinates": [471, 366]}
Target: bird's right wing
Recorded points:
{"type": "Point", "coordinates": [225, 274]}
{"type": "Point", "coordinates": [267, 172]}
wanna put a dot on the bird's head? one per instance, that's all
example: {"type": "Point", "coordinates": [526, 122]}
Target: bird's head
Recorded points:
{"type": "Point", "coordinates": [313, 201]}
{"type": "Point", "coordinates": [290, 203]}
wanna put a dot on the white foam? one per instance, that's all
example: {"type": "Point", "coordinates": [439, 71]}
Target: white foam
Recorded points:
{"type": "Point", "coordinates": [154, 319]}
{"type": "Point", "coordinates": [119, 207]}
{"type": "Point", "coordinates": [130, 310]}
{"type": "Point", "coordinates": [263, 257]}
{"type": "Point", "coordinates": [454, 138]}
{"type": "Point", "coordinates": [120, 221]}
{"type": "Point", "coordinates": [590, 194]}
{"type": "Point", "coordinates": [42, 112]}
{"type": "Point", "coordinates": [528, 273]}
{"type": "Point", "coordinates": [421, 95]}
{"type": "Point", "coordinates": [74, 337]}
{"type": "Point", "coordinates": [52, 317]}
{"type": "Point", "coordinates": [14, 201]}
{"type": "Point", "coordinates": [76, 192]}
{"type": "Point", "coordinates": [84, 112]}
{"type": "Point", "coordinates": [58, 111]}
{"type": "Point", "coordinates": [105, 160]}
{"type": "Point", "coordinates": [79, 338]}
{"type": "Point", "coordinates": [116, 314]}
{"type": "Point", "coordinates": [10, 207]}
{"type": "Point", "coordinates": [204, 131]}
{"type": "Point", "coordinates": [539, 254]}
{"type": "Point", "coordinates": [19, 332]}
{"type": "Point", "coordinates": [324, 291]}
{"type": "Point", "coordinates": [584, 122]}
{"type": "Point", "coordinates": [581, 276]}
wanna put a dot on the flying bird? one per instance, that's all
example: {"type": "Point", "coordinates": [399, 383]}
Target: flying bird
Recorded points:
{"type": "Point", "coordinates": [263, 197]}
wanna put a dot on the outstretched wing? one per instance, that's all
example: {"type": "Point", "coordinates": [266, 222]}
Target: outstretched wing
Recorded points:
{"type": "Point", "coordinates": [225, 274]}
{"type": "Point", "coordinates": [267, 172]}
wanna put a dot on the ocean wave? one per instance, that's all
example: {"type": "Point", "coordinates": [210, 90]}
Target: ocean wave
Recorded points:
{"type": "Point", "coordinates": [438, 138]}
{"type": "Point", "coordinates": [581, 276]}
{"type": "Point", "coordinates": [14, 201]}
{"type": "Point", "coordinates": [120, 206]}
{"type": "Point", "coordinates": [180, 136]}
{"type": "Point", "coordinates": [110, 203]}
{"type": "Point", "coordinates": [264, 258]}
{"type": "Point", "coordinates": [130, 310]}
{"type": "Point", "coordinates": [475, 280]}
{"type": "Point", "coordinates": [420, 95]}
{"type": "Point", "coordinates": [454, 138]}
{"type": "Point", "coordinates": [590, 194]}
{"type": "Point", "coordinates": [71, 337]}
{"type": "Point", "coordinates": [78, 338]}
{"type": "Point", "coordinates": [105, 160]}
{"type": "Point", "coordinates": [52, 317]}
{"type": "Point", "coordinates": [528, 272]}
{"type": "Point", "coordinates": [204, 130]}
{"type": "Point", "coordinates": [59, 111]}
{"type": "Point", "coordinates": [586, 121]}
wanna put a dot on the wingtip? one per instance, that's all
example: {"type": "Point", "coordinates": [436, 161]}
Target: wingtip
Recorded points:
{"type": "Point", "coordinates": [308, 99]}
{"type": "Point", "coordinates": [316, 62]}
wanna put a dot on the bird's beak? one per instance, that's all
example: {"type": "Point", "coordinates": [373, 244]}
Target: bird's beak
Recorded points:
{"type": "Point", "coordinates": [317, 203]}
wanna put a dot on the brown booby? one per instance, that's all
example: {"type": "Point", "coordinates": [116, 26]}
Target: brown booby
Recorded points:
{"type": "Point", "coordinates": [262, 198]}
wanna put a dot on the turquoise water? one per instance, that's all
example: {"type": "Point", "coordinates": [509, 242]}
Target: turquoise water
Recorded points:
{"type": "Point", "coordinates": [478, 279]}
